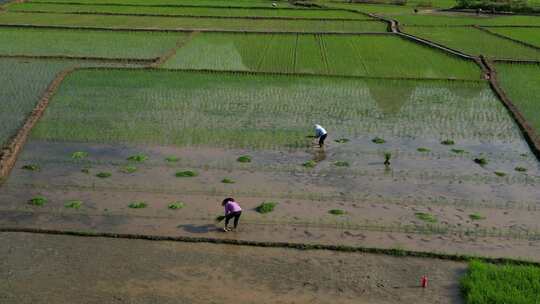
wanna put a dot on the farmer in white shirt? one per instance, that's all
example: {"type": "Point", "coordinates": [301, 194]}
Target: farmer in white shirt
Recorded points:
{"type": "Point", "coordinates": [321, 134]}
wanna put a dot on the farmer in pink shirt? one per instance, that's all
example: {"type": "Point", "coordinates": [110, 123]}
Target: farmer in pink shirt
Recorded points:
{"type": "Point", "coordinates": [232, 209]}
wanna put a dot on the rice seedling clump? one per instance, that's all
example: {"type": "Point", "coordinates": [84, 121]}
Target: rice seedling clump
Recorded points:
{"type": "Point", "coordinates": [422, 149]}
{"type": "Point", "coordinates": [500, 173]}
{"type": "Point", "coordinates": [337, 212]}
{"type": "Point", "coordinates": [138, 158]}
{"type": "Point", "coordinates": [340, 163]}
{"type": "Point", "coordinates": [426, 217]}
{"type": "Point", "coordinates": [520, 169]}
{"type": "Point", "coordinates": [448, 142]}
{"type": "Point", "coordinates": [187, 173]}
{"type": "Point", "coordinates": [310, 164]}
{"type": "Point", "coordinates": [38, 200]}
{"type": "Point", "coordinates": [227, 181]}
{"type": "Point", "coordinates": [137, 205]}
{"type": "Point", "coordinates": [266, 207]}
{"type": "Point", "coordinates": [128, 169]}
{"type": "Point", "coordinates": [172, 159]}
{"type": "Point", "coordinates": [73, 204]}
{"type": "Point", "coordinates": [104, 174]}
{"type": "Point", "coordinates": [32, 167]}
{"type": "Point", "coordinates": [476, 216]}
{"type": "Point", "coordinates": [176, 205]}
{"type": "Point", "coordinates": [244, 159]}
{"type": "Point", "coordinates": [378, 140]}
{"type": "Point", "coordinates": [79, 155]}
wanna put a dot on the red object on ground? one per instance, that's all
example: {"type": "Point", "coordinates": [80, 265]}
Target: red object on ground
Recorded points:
{"type": "Point", "coordinates": [424, 281]}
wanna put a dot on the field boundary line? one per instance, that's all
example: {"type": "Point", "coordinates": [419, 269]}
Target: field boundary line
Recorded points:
{"type": "Point", "coordinates": [532, 138]}
{"type": "Point", "coordinates": [11, 150]}
{"type": "Point", "coordinates": [243, 72]}
{"type": "Point", "coordinates": [292, 8]}
{"type": "Point", "coordinates": [289, 245]}
{"type": "Point", "coordinates": [66, 57]}
{"type": "Point", "coordinates": [426, 229]}
{"type": "Point", "coordinates": [507, 38]}
{"type": "Point", "coordinates": [180, 43]}
{"type": "Point", "coordinates": [184, 30]}
{"type": "Point", "coordinates": [191, 16]}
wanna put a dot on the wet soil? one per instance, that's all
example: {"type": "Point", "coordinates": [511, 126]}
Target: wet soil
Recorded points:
{"type": "Point", "coordinates": [381, 204]}
{"type": "Point", "coordinates": [64, 269]}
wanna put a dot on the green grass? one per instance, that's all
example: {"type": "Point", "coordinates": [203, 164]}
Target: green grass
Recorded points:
{"type": "Point", "coordinates": [52, 42]}
{"type": "Point", "coordinates": [104, 174]}
{"type": "Point", "coordinates": [265, 112]}
{"type": "Point", "coordinates": [484, 43]}
{"type": "Point", "coordinates": [320, 54]}
{"type": "Point", "coordinates": [38, 200]}
{"type": "Point", "coordinates": [186, 11]}
{"type": "Point", "coordinates": [31, 167]}
{"type": "Point", "coordinates": [522, 84]}
{"type": "Point", "coordinates": [23, 83]}
{"type": "Point", "coordinates": [190, 23]}
{"type": "Point", "coordinates": [73, 204]}
{"type": "Point", "coordinates": [138, 205]}
{"type": "Point", "coordinates": [266, 207]}
{"type": "Point", "coordinates": [426, 217]}
{"type": "Point", "coordinates": [176, 205]}
{"type": "Point", "coordinates": [512, 284]}
{"type": "Point", "coordinates": [186, 174]}
{"type": "Point", "coordinates": [228, 181]}
{"type": "Point", "coordinates": [476, 217]}
{"type": "Point", "coordinates": [337, 212]}
{"type": "Point", "coordinates": [528, 35]}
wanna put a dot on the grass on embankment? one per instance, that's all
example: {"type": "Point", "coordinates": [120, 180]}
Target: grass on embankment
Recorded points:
{"type": "Point", "coordinates": [497, 284]}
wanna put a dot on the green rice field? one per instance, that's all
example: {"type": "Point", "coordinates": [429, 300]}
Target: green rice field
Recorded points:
{"type": "Point", "coordinates": [190, 23]}
{"type": "Point", "coordinates": [23, 83]}
{"type": "Point", "coordinates": [320, 54]}
{"type": "Point", "coordinates": [220, 109]}
{"type": "Point", "coordinates": [217, 3]}
{"type": "Point", "coordinates": [82, 43]}
{"type": "Point", "coordinates": [522, 84]}
{"type": "Point", "coordinates": [187, 11]}
{"type": "Point", "coordinates": [443, 19]}
{"type": "Point", "coordinates": [527, 35]}
{"type": "Point", "coordinates": [485, 44]}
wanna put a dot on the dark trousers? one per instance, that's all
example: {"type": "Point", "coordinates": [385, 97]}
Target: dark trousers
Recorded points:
{"type": "Point", "coordinates": [236, 216]}
{"type": "Point", "coordinates": [321, 139]}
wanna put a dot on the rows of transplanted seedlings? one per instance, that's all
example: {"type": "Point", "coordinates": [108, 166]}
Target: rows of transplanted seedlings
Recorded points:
{"type": "Point", "coordinates": [223, 3]}
{"type": "Point", "coordinates": [190, 23]}
{"type": "Point", "coordinates": [522, 84]}
{"type": "Point", "coordinates": [23, 83]}
{"type": "Point", "coordinates": [263, 111]}
{"type": "Point", "coordinates": [527, 35]}
{"type": "Point", "coordinates": [485, 44]}
{"type": "Point", "coordinates": [185, 11]}
{"type": "Point", "coordinates": [354, 55]}
{"type": "Point", "coordinates": [108, 44]}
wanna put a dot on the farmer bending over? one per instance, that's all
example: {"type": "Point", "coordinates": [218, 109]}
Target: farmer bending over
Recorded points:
{"type": "Point", "coordinates": [321, 134]}
{"type": "Point", "coordinates": [232, 209]}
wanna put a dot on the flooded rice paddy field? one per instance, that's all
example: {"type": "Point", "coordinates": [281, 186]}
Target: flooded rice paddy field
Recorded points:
{"type": "Point", "coordinates": [437, 190]}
